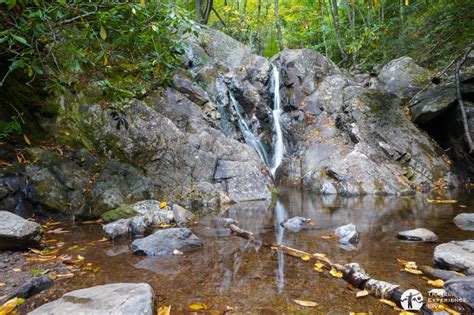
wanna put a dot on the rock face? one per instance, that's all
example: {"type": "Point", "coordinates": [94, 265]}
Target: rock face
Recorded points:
{"type": "Point", "coordinates": [164, 242]}
{"type": "Point", "coordinates": [296, 224]}
{"type": "Point", "coordinates": [456, 255]}
{"type": "Point", "coordinates": [465, 221]}
{"type": "Point", "coordinates": [117, 298]}
{"type": "Point", "coordinates": [418, 235]}
{"type": "Point", "coordinates": [18, 233]}
{"type": "Point", "coordinates": [462, 288]}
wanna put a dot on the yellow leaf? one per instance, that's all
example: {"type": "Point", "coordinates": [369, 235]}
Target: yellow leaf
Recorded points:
{"type": "Point", "coordinates": [163, 204]}
{"type": "Point", "coordinates": [318, 255]}
{"type": "Point", "coordinates": [80, 258]}
{"type": "Point", "coordinates": [306, 303]}
{"type": "Point", "coordinates": [27, 141]}
{"type": "Point", "coordinates": [318, 267]}
{"type": "Point", "coordinates": [2, 284]}
{"type": "Point", "coordinates": [407, 2]}
{"type": "Point", "coordinates": [436, 283]}
{"type": "Point", "coordinates": [413, 271]}
{"type": "Point", "coordinates": [362, 293]}
{"type": "Point", "coordinates": [103, 32]}
{"type": "Point", "coordinates": [305, 257]}
{"type": "Point", "coordinates": [164, 310]}
{"type": "Point", "coordinates": [197, 306]}
{"type": "Point", "coordinates": [335, 273]}
{"type": "Point", "coordinates": [406, 313]}
{"type": "Point", "coordinates": [388, 302]}
{"type": "Point", "coordinates": [106, 60]}
{"type": "Point", "coordinates": [142, 3]}
{"type": "Point", "coordinates": [10, 305]}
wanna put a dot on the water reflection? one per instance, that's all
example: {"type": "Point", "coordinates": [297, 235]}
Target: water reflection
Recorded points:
{"type": "Point", "coordinates": [280, 216]}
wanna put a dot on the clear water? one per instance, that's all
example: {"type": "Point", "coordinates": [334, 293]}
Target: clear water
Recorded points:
{"type": "Point", "coordinates": [230, 271]}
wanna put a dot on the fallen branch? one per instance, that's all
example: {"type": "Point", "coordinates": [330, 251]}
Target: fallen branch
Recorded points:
{"type": "Point", "coordinates": [241, 232]}
{"type": "Point", "coordinates": [467, 133]}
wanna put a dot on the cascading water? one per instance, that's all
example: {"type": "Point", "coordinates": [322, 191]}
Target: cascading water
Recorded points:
{"type": "Point", "coordinates": [249, 137]}
{"type": "Point", "coordinates": [278, 145]}
{"type": "Point", "coordinates": [280, 216]}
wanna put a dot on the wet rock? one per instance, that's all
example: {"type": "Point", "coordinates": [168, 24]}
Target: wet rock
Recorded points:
{"type": "Point", "coordinates": [117, 298]}
{"type": "Point", "coordinates": [118, 229]}
{"type": "Point", "coordinates": [118, 183]}
{"type": "Point", "coordinates": [462, 288]}
{"type": "Point", "coordinates": [455, 255]}
{"type": "Point", "coordinates": [3, 192]}
{"type": "Point", "coordinates": [436, 273]}
{"type": "Point", "coordinates": [297, 224]}
{"type": "Point", "coordinates": [164, 242]}
{"type": "Point", "coordinates": [149, 208]}
{"type": "Point", "coordinates": [465, 221]}
{"type": "Point", "coordinates": [418, 235]}
{"type": "Point", "coordinates": [18, 233]}
{"type": "Point", "coordinates": [182, 216]}
{"type": "Point", "coordinates": [32, 287]}
{"type": "Point", "coordinates": [403, 77]}
{"type": "Point", "coordinates": [347, 234]}
{"type": "Point", "coordinates": [327, 188]}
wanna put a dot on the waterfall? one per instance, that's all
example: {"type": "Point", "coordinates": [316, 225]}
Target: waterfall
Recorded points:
{"type": "Point", "coordinates": [278, 145]}
{"type": "Point", "coordinates": [249, 137]}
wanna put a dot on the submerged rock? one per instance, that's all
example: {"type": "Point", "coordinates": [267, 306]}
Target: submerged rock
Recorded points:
{"type": "Point", "coordinates": [18, 233]}
{"type": "Point", "coordinates": [164, 242]}
{"type": "Point", "coordinates": [435, 273]}
{"type": "Point", "coordinates": [117, 298]}
{"type": "Point", "coordinates": [33, 286]}
{"type": "Point", "coordinates": [455, 255]}
{"type": "Point", "coordinates": [297, 224]}
{"type": "Point", "coordinates": [418, 235]}
{"type": "Point", "coordinates": [465, 221]}
{"type": "Point", "coordinates": [347, 234]}
{"type": "Point", "coordinates": [182, 216]}
{"type": "Point", "coordinates": [462, 288]}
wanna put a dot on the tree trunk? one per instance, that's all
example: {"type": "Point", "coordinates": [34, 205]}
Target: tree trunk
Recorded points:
{"type": "Point", "coordinates": [207, 11]}
{"type": "Point", "coordinates": [198, 11]}
{"type": "Point", "coordinates": [278, 26]}
{"type": "Point", "coordinates": [258, 44]}
{"type": "Point", "coordinates": [335, 18]}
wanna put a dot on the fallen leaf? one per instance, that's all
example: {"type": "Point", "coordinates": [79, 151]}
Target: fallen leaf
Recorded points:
{"type": "Point", "coordinates": [436, 283]}
{"type": "Point", "coordinates": [163, 204]}
{"type": "Point", "coordinates": [321, 256]}
{"type": "Point", "coordinates": [335, 273]}
{"type": "Point", "coordinates": [16, 269]}
{"type": "Point", "coordinates": [80, 258]}
{"type": "Point", "coordinates": [164, 310]}
{"type": "Point", "coordinates": [413, 271]}
{"type": "Point", "coordinates": [177, 252]}
{"type": "Point", "coordinates": [318, 267]}
{"type": "Point", "coordinates": [305, 257]}
{"type": "Point", "coordinates": [2, 284]}
{"type": "Point", "coordinates": [450, 310]}
{"type": "Point", "coordinates": [27, 141]}
{"type": "Point", "coordinates": [388, 302]}
{"type": "Point", "coordinates": [197, 306]}
{"type": "Point", "coordinates": [306, 303]}
{"type": "Point", "coordinates": [362, 293]}
{"type": "Point", "coordinates": [406, 313]}
{"type": "Point", "coordinates": [10, 305]}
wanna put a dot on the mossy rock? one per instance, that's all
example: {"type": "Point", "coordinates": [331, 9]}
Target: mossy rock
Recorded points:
{"type": "Point", "coordinates": [122, 212]}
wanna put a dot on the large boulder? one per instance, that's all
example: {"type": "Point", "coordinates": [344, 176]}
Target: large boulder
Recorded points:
{"type": "Point", "coordinates": [455, 255]}
{"type": "Point", "coordinates": [149, 208]}
{"type": "Point", "coordinates": [462, 288]}
{"type": "Point", "coordinates": [465, 221]}
{"type": "Point", "coordinates": [165, 242]}
{"type": "Point", "coordinates": [117, 298]}
{"type": "Point", "coordinates": [403, 77]}
{"type": "Point", "coordinates": [18, 233]}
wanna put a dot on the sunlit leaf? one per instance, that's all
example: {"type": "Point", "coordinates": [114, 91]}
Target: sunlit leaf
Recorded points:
{"type": "Point", "coordinates": [413, 271]}
{"type": "Point", "coordinates": [306, 303]}
{"type": "Point", "coordinates": [10, 305]}
{"type": "Point", "coordinates": [388, 302]}
{"type": "Point", "coordinates": [305, 257]}
{"type": "Point", "coordinates": [436, 283]}
{"type": "Point", "coordinates": [103, 32]}
{"type": "Point", "coordinates": [318, 267]}
{"type": "Point", "coordinates": [163, 204]}
{"type": "Point", "coordinates": [142, 3]}
{"type": "Point", "coordinates": [335, 273]}
{"type": "Point", "coordinates": [177, 252]}
{"type": "Point", "coordinates": [362, 293]}
{"type": "Point", "coordinates": [197, 306]}
{"type": "Point", "coordinates": [27, 141]}
{"type": "Point", "coordinates": [2, 284]}
{"type": "Point", "coordinates": [406, 313]}
{"type": "Point", "coordinates": [164, 310]}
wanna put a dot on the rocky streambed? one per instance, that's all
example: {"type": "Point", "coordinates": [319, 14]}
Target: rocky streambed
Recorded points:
{"type": "Point", "coordinates": [226, 273]}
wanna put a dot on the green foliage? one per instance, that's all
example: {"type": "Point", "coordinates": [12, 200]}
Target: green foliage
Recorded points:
{"type": "Point", "coordinates": [8, 128]}
{"type": "Point", "coordinates": [58, 41]}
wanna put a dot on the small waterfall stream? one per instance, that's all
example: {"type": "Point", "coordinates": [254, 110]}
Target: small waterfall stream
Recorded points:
{"type": "Point", "coordinates": [249, 137]}
{"type": "Point", "coordinates": [280, 215]}
{"type": "Point", "coordinates": [278, 145]}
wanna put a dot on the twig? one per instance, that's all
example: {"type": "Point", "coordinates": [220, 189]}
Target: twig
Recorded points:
{"type": "Point", "coordinates": [467, 133]}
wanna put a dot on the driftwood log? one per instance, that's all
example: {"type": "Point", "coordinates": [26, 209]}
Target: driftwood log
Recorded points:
{"type": "Point", "coordinates": [352, 273]}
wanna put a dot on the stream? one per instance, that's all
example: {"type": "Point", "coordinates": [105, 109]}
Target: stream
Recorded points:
{"type": "Point", "coordinates": [231, 272]}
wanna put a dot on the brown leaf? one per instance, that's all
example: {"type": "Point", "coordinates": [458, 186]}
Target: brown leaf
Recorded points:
{"type": "Point", "coordinates": [306, 303]}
